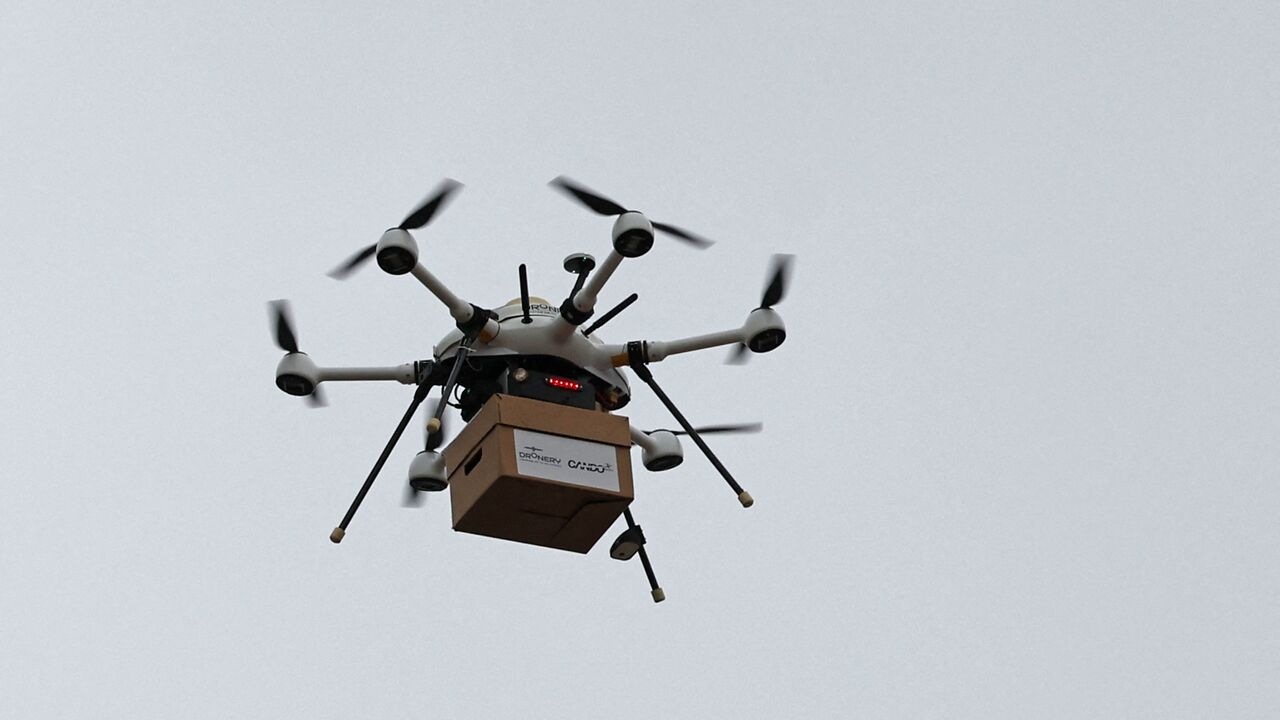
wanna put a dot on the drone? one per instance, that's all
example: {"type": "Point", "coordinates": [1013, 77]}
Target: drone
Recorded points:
{"type": "Point", "coordinates": [544, 365]}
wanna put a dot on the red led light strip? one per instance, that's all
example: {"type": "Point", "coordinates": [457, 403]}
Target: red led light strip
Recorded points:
{"type": "Point", "coordinates": [563, 384]}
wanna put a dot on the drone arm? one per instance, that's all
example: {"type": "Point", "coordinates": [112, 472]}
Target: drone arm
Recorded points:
{"type": "Point", "coordinates": [405, 374]}
{"type": "Point", "coordinates": [458, 308]}
{"type": "Point", "coordinates": [580, 305]}
{"type": "Point", "coordinates": [656, 351]}
{"type": "Point", "coordinates": [660, 350]}
{"type": "Point", "coordinates": [642, 440]}
{"type": "Point", "coordinates": [297, 374]}
{"type": "Point", "coordinates": [462, 311]}
{"type": "Point", "coordinates": [585, 299]}
{"type": "Point", "coordinates": [763, 331]}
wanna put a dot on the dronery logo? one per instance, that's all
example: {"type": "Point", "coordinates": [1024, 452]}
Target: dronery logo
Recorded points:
{"type": "Point", "coordinates": [529, 452]}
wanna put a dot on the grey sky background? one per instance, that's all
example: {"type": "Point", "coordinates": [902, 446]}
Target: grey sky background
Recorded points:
{"type": "Point", "coordinates": [1020, 454]}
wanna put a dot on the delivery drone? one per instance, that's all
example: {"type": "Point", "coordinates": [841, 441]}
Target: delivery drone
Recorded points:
{"type": "Point", "coordinates": [533, 349]}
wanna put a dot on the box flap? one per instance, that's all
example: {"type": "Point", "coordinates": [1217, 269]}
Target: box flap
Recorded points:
{"type": "Point", "coordinates": [548, 417]}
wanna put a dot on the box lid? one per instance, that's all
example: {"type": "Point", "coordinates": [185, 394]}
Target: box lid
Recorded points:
{"type": "Point", "coordinates": [542, 416]}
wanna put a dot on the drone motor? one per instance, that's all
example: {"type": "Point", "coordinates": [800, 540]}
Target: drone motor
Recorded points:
{"type": "Point", "coordinates": [297, 374]}
{"type": "Point", "coordinates": [632, 234]}
{"type": "Point", "coordinates": [763, 330]}
{"type": "Point", "coordinates": [397, 252]}
{"type": "Point", "coordinates": [427, 472]}
{"type": "Point", "coordinates": [659, 450]}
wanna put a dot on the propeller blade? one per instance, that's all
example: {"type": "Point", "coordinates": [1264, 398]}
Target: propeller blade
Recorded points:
{"type": "Point", "coordinates": [738, 356]}
{"type": "Point", "coordinates": [777, 286]}
{"type": "Point", "coordinates": [593, 200]}
{"type": "Point", "coordinates": [416, 219]}
{"type": "Point", "coordinates": [317, 398]}
{"type": "Point", "coordinates": [429, 207]}
{"type": "Point", "coordinates": [604, 206]}
{"type": "Point", "coordinates": [713, 429]}
{"type": "Point", "coordinates": [350, 264]}
{"type": "Point", "coordinates": [283, 326]}
{"type": "Point", "coordinates": [685, 235]}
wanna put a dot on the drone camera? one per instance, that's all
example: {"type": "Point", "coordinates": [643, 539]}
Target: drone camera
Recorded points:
{"type": "Point", "coordinates": [397, 252]}
{"type": "Point", "coordinates": [427, 472]}
{"type": "Point", "coordinates": [764, 330]}
{"type": "Point", "coordinates": [297, 374]}
{"type": "Point", "coordinates": [632, 235]}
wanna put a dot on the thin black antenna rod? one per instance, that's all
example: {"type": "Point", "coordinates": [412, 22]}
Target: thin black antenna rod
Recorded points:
{"type": "Point", "coordinates": [612, 313]}
{"type": "Point", "coordinates": [524, 294]}
{"type": "Point", "coordinates": [642, 370]}
{"type": "Point", "coordinates": [418, 396]}
{"type": "Point", "coordinates": [654, 590]}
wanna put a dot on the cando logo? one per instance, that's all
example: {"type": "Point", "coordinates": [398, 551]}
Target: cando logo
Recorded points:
{"type": "Point", "coordinates": [590, 466]}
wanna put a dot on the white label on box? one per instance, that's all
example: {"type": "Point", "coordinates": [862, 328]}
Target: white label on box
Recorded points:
{"type": "Point", "coordinates": [569, 460]}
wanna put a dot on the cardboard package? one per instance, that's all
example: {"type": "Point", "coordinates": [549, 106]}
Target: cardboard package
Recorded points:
{"type": "Point", "coordinates": [540, 473]}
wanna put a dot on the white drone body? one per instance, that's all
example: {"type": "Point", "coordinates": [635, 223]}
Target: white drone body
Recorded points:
{"type": "Point", "coordinates": [532, 327]}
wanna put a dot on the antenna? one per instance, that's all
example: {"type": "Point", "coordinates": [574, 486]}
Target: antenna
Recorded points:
{"type": "Point", "coordinates": [580, 264]}
{"type": "Point", "coordinates": [612, 313]}
{"type": "Point", "coordinates": [524, 294]}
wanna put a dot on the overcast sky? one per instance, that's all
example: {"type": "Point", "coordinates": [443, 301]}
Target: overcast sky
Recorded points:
{"type": "Point", "coordinates": [1021, 445]}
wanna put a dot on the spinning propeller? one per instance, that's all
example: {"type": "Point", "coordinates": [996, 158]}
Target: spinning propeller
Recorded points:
{"type": "Point", "coordinates": [602, 205]}
{"type": "Point", "coordinates": [288, 342]}
{"type": "Point", "coordinates": [773, 294]}
{"type": "Point", "coordinates": [419, 218]}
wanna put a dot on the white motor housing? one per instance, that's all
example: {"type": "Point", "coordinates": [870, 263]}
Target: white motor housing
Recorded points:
{"type": "Point", "coordinates": [663, 452]}
{"type": "Point", "coordinates": [427, 472]}
{"type": "Point", "coordinates": [632, 234]}
{"type": "Point", "coordinates": [764, 330]}
{"type": "Point", "coordinates": [297, 374]}
{"type": "Point", "coordinates": [397, 251]}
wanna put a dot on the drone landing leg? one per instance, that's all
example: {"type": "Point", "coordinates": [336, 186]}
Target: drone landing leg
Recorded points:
{"type": "Point", "coordinates": [637, 364]}
{"type": "Point", "coordinates": [418, 396]}
{"type": "Point", "coordinates": [464, 349]}
{"type": "Point", "coordinates": [654, 590]}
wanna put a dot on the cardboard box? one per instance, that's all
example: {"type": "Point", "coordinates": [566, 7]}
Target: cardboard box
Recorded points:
{"type": "Point", "coordinates": [540, 473]}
